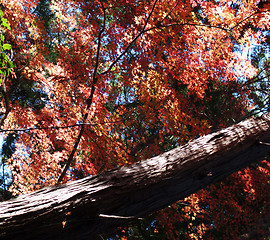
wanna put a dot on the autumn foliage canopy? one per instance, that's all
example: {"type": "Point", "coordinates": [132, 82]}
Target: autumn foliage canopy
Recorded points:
{"type": "Point", "coordinates": [88, 86]}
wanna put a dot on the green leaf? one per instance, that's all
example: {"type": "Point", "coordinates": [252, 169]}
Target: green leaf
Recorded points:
{"type": "Point", "coordinates": [11, 64]}
{"type": "Point", "coordinates": [3, 73]}
{"type": "Point", "coordinates": [5, 58]}
{"type": "Point", "coordinates": [7, 46]}
{"type": "Point", "coordinates": [2, 37]}
{"type": "Point", "coordinates": [3, 64]}
{"type": "Point", "coordinates": [4, 23]}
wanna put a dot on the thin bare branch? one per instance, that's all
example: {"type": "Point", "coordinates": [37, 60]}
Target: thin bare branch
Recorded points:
{"type": "Point", "coordinates": [256, 79]}
{"type": "Point", "coordinates": [89, 100]}
{"type": "Point", "coordinates": [6, 99]}
{"type": "Point", "coordinates": [132, 42]}
{"type": "Point", "coordinates": [186, 24]}
{"type": "Point", "coordinates": [169, 13]}
{"type": "Point", "coordinates": [55, 127]}
{"type": "Point", "coordinates": [119, 217]}
{"type": "Point", "coordinates": [245, 19]}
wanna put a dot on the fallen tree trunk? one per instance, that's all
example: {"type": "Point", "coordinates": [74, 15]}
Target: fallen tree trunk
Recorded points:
{"type": "Point", "coordinates": [95, 204]}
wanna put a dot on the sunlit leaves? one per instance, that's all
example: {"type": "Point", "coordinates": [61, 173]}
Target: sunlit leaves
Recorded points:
{"type": "Point", "coordinates": [166, 72]}
{"type": "Point", "coordinates": [5, 63]}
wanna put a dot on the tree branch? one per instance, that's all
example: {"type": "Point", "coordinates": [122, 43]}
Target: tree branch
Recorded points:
{"type": "Point", "coordinates": [6, 98]}
{"type": "Point", "coordinates": [159, 26]}
{"type": "Point", "coordinates": [55, 127]}
{"type": "Point", "coordinates": [132, 42]}
{"type": "Point", "coordinates": [96, 204]}
{"type": "Point", "coordinates": [89, 100]}
{"type": "Point", "coordinates": [248, 17]}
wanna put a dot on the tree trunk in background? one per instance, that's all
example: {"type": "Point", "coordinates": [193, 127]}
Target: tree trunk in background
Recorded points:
{"type": "Point", "coordinates": [97, 204]}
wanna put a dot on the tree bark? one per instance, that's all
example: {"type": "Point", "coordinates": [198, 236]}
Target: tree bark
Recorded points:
{"type": "Point", "coordinates": [97, 204]}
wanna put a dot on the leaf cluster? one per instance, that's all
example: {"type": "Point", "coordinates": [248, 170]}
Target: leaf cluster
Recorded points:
{"type": "Point", "coordinates": [5, 63]}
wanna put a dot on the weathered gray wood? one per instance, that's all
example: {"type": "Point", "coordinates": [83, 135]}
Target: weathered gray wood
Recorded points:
{"type": "Point", "coordinates": [91, 205]}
